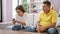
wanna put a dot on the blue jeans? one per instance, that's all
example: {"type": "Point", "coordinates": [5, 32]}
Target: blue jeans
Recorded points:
{"type": "Point", "coordinates": [49, 31]}
{"type": "Point", "coordinates": [29, 29]}
{"type": "Point", "coordinates": [17, 27]}
{"type": "Point", "coordinates": [52, 31]}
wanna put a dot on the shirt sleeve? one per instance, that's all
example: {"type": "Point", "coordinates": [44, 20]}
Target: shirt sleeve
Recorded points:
{"type": "Point", "coordinates": [54, 17]}
{"type": "Point", "coordinates": [39, 17]}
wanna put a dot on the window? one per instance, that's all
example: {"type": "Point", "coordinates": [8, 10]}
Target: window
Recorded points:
{"type": "Point", "coordinates": [14, 4]}
{"type": "Point", "coordinates": [32, 5]}
{"type": "Point", "coordinates": [29, 5]}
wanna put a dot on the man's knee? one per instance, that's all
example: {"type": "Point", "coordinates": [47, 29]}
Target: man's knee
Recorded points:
{"type": "Point", "coordinates": [52, 30]}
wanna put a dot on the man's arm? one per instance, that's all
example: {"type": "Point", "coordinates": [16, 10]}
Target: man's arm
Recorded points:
{"type": "Point", "coordinates": [50, 26]}
{"type": "Point", "coordinates": [54, 20]}
{"type": "Point", "coordinates": [38, 26]}
{"type": "Point", "coordinates": [38, 23]}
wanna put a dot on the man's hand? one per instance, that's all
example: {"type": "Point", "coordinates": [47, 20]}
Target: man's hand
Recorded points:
{"type": "Point", "coordinates": [40, 29]}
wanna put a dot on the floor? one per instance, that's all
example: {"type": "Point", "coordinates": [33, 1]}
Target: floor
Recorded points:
{"type": "Point", "coordinates": [8, 27]}
{"type": "Point", "coordinates": [7, 30]}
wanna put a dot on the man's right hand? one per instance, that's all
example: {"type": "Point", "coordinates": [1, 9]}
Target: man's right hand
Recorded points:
{"type": "Point", "coordinates": [38, 28]}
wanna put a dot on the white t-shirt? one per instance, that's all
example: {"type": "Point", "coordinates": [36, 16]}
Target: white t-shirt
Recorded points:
{"type": "Point", "coordinates": [23, 18]}
{"type": "Point", "coordinates": [27, 18]}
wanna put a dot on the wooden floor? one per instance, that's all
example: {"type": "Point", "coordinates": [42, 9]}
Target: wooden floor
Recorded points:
{"type": "Point", "coordinates": [5, 30]}
{"type": "Point", "coordinates": [16, 32]}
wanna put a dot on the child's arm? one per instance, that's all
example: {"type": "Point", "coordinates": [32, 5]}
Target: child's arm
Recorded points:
{"type": "Point", "coordinates": [22, 22]}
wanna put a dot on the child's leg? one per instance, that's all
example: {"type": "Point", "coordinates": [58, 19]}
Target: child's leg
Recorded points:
{"type": "Point", "coordinates": [16, 27]}
{"type": "Point", "coordinates": [30, 29]}
{"type": "Point", "coordinates": [33, 29]}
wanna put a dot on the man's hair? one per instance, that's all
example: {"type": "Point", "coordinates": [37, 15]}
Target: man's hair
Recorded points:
{"type": "Point", "coordinates": [47, 2]}
{"type": "Point", "coordinates": [20, 7]}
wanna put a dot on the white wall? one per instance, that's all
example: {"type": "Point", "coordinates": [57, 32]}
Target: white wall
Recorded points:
{"type": "Point", "coordinates": [7, 10]}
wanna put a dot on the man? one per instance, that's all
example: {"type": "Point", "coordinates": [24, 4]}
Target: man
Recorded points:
{"type": "Point", "coordinates": [47, 19]}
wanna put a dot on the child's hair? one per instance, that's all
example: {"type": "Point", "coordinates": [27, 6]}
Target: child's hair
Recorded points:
{"type": "Point", "coordinates": [20, 7]}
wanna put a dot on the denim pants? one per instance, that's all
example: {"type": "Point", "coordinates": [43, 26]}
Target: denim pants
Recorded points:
{"type": "Point", "coordinates": [49, 31]}
{"type": "Point", "coordinates": [17, 27]}
{"type": "Point", "coordinates": [30, 29]}
{"type": "Point", "coordinates": [33, 29]}
{"type": "Point", "coordinates": [52, 31]}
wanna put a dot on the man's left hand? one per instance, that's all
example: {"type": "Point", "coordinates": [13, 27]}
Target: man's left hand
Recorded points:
{"type": "Point", "coordinates": [42, 29]}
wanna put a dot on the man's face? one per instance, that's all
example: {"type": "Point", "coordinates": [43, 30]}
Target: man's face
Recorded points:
{"type": "Point", "coordinates": [46, 8]}
{"type": "Point", "coordinates": [19, 12]}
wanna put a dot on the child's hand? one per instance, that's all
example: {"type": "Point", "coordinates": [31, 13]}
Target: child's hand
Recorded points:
{"type": "Point", "coordinates": [17, 21]}
{"type": "Point", "coordinates": [22, 22]}
{"type": "Point", "coordinates": [13, 21]}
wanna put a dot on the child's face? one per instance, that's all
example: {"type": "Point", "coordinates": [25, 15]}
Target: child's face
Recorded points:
{"type": "Point", "coordinates": [19, 12]}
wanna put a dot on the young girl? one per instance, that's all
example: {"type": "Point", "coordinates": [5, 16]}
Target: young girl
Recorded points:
{"type": "Point", "coordinates": [21, 20]}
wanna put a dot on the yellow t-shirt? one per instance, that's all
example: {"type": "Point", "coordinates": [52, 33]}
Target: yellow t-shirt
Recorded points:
{"type": "Point", "coordinates": [47, 19]}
